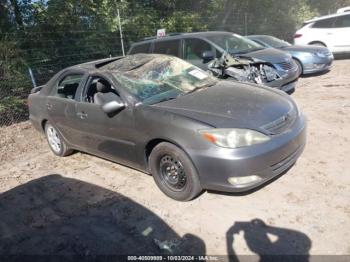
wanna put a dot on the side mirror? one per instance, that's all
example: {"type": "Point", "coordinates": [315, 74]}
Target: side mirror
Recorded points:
{"type": "Point", "coordinates": [112, 108]}
{"type": "Point", "coordinates": [208, 56]}
{"type": "Point", "coordinates": [60, 90]}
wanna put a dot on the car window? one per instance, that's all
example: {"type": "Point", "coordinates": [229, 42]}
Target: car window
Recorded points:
{"type": "Point", "coordinates": [325, 23]}
{"type": "Point", "coordinates": [259, 42]}
{"type": "Point", "coordinates": [194, 48]}
{"type": "Point", "coordinates": [67, 87]}
{"type": "Point", "coordinates": [234, 44]}
{"type": "Point", "coordinates": [271, 41]}
{"type": "Point", "coordinates": [342, 21]}
{"type": "Point", "coordinates": [167, 47]}
{"type": "Point", "coordinates": [143, 48]}
{"type": "Point", "coordinates": [91, 90]}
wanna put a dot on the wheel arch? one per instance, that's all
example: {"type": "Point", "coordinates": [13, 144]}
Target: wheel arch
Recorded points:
{"type": "Point", "coordinates": [43, 124]}
{"type": "Point", "coordinates": [317, 42]}
{"type": "Point", "coordinates": [301, 64]}
{"type": "Point", "coordinates": [156, 141]}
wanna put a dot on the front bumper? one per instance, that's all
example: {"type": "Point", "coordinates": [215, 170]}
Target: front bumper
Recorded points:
{"type": "Point", "coordinates": [289, 86]}
{"type": "Point", "coordinates": [287, 82]}
{"type": "Point", "coordinates": [317, 65]}
{"type": "Point", "coordinates": [265, 161]}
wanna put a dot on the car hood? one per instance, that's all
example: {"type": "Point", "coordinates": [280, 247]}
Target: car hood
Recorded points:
{"type": "Point", "coordinates": [230, 104]}
{"type": "Point", "coordinates": [305, 48]}
{"type": "Point", "coordinates": [270, 55]}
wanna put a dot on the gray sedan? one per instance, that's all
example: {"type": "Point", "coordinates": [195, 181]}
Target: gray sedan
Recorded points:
{"type": "Point", "coordinates": [310, 59]}
{"type": "Point", "coordinates": [164, 116]}
{"type": "Point", "coordinates": [254, 63]}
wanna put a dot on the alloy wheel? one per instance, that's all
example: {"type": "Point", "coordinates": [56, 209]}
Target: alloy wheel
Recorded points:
{"type": "Point", "coordinates": [54, 139]}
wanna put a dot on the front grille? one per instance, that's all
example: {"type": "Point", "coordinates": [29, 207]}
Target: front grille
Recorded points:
{"type": "Point", "coordinates": [326, 53]}
{"type": "Point", "coordinates": [286, 65]}
{"type": "Point", "coordinates": [281, 124]}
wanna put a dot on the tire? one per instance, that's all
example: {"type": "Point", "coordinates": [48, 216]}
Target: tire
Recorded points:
{"type": "Point", "coordinates": [300, 66]}
{"type": "Point", "coordinates": [56, 142]}
{"type": "Point", "coordinates": [173, 172]}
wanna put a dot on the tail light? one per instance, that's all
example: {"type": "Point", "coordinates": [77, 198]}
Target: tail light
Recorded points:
{"type": "Point", "coordinates": [297, 35]}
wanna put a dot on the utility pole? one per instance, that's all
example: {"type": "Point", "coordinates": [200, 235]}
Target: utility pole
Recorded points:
{"type": "Point", "coordinates": [245, 23]}
{"type": "Point", "coordinates": [32, 76]}
{"type": "Point", "coordinates": [121, 33]}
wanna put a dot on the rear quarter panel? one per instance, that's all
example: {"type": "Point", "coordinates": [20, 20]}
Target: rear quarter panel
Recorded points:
{"type": "Point", "coordinates": [37, 109]}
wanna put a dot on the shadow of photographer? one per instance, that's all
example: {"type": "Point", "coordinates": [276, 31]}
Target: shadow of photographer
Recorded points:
{"type": "Point", "coordinates": [269, 243]}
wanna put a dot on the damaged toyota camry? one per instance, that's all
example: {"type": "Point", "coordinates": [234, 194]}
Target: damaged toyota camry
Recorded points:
{"type": "Point", "coordinates": [164, 116]}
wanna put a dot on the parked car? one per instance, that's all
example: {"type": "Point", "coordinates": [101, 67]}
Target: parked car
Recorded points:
{"type": "Point", "coordinates": [343, 10]}
{"type": "Point", "coordinates": [332, 31]}
{"type": "Point", "coordinates": [164, 116]}
{"type": "Point", "coordinates": [310, 59]}
{"type": "Point", "coordinates": [201, 48]}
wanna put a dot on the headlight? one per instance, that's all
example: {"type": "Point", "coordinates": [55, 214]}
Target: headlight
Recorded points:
{"type": "Point", "coordinates": [233, 138]}
{"type": "Point", "coordinates": [320, 54]}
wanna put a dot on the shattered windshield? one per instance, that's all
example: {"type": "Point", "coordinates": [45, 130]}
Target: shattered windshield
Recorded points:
{"type": "Point", "coordinates": [274, 42]}
{"type": "Point", "coordinates": [235, 44]}
{"type": "Point", "coordinates": [157, 78]}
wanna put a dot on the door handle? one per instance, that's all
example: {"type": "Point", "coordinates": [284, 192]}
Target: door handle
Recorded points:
{"type": "Point", "coordinates": [82, 115]}
{"type": "Point", "coordinates": [49, 106]}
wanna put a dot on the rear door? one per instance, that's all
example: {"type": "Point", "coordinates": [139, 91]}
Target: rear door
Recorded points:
{"type": "Point", "coordinates": [61, 102]}
{"type": "Point", "coordinates": [323, 30]}
{"type": "Point", "coordinates": [140, 48]}
{"type": "Point", "coordinates": [342, 33]}
{"type": "Point", "coordinates": [168, 47]}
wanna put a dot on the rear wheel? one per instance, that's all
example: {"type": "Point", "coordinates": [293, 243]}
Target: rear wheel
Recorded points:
{"type": "Point", "coordinates": [56, 142]}
{"type": "Point", "coordinates": [174, 172]}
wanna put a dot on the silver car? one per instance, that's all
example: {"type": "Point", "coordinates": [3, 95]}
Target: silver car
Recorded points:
{"type": "Point", "coordinates": [310, 59]}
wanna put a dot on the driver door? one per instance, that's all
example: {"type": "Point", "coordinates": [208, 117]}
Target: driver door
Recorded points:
{"type": "Point", "coordinates": [103, 135]}
{"type": "Point", "coordinates": [193, 52]}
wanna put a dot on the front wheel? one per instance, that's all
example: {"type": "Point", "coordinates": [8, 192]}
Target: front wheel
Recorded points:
{"type": "Point", "coordinates": [57, 144]}
{"type": "Point", "coordinates": [174, 172]}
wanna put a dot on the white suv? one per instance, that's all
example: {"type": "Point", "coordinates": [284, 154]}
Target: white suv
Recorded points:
{"type": "Point", "coordinates": [332, 31]}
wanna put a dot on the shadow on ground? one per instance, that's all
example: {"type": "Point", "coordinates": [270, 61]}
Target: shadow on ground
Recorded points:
{"type": "Point", "coordinates": [342, 56]}
{"type": "Point", "coordinates": [63, 216]}
{"type": "Point", "coordinates": [316, 74]}
{"type": "Point", "coordinates": [269, 243]}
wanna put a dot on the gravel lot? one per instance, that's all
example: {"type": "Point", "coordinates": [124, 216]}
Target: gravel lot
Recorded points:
{"type": "Point", "coordinates": [82, 204]}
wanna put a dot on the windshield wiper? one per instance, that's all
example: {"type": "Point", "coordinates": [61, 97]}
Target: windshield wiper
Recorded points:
{"type": "Point", "coordinates": [165, 99]}
{"type": "Point", "coordinates": [198, 88]}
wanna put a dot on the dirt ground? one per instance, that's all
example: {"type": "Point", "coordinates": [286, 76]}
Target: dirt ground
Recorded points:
{"type": "Point", "coordinates": [82, 204]}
